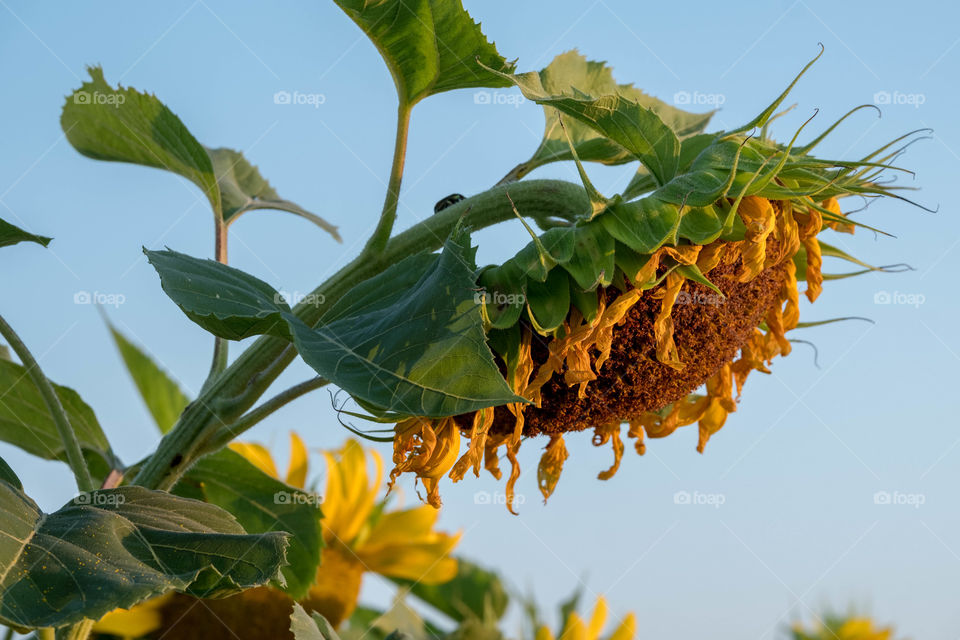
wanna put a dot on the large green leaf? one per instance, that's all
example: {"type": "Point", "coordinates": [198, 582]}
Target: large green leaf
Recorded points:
{"type": "Point", "coordinates": [303, 626]}
{"type": "Point", "coordinates": [571, 74]}
{"type": "Point", "coordinates": [163, 397]}
{"type": "Point", "coordinates": [417, 351]}
{"type": "Point", "coordinates": [262, 504]}
{"type": "Point", "coordinates": [430, 46]}
{"type": "Point", "coordinates": [634, 126]}
{"type": "Point", "coordinates": [126, 125]}
{"type": "Point", "coordinates": [117, 547]}
{"type": "Point", "coordinates": [10, 234]}
{"type": "Point", "coordinates": [225, 301]}
{"type": "Point", "coordinates": [474, 592]}
{"type": "Point", "coordinates": [25, 420]}
{"type": "Point", "coordinates": [243, 189]}
{"type": "Point", "coordinates": [408, 341]}
{"type": "Point", "coordinates": [7, 475]}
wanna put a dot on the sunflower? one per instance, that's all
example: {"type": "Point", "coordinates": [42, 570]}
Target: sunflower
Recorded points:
{"type": "Point", "coordinates": [650, 311]}
{"type": "Point", "coordinates": [575, 628]}
{"type": "Point", "coordinates": [361, 535]}
{"type": "Point", "coordinates": [842, 628]}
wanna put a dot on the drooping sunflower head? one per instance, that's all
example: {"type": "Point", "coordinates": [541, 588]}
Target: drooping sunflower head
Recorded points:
{"type": "Point", "coordinates": [652, 308]}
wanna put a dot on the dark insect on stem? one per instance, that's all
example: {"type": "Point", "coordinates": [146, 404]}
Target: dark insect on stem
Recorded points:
{"type": "Point", "coordinates": [177, 459]}
{"type": "Point", "coordinates": [451, 199]}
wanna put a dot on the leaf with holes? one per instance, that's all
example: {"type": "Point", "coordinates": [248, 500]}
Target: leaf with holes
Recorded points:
{"type": "Point", "coordinates": [117, 547]}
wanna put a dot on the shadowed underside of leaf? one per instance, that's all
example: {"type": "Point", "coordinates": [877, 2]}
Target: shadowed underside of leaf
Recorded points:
{"type": "Point", "coordinates": [408, 341]}
{"type": "Point", "coordinates": [223, 300]}
{"type": "Point", "coordinates": [231, 482]}
{"type": "Point", "coordinates": [11, 234]}
{"type": "Point", "coordinates": [117, 547]}
{"type": "Point", "coordinates": [416, 351]}
{"type": "Point", "coordinates": [430, 46]}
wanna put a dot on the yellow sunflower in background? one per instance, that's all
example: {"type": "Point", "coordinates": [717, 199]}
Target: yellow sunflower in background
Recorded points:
{"type": "Point", "coordinates": [575, 628]}
{"type": "Point", "coordinates": [842, 628]}
{"type": "Point", "coordinates": [360, 535]}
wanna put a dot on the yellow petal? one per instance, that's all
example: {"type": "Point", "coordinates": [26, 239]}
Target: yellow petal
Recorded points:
{"type": "Point", "coordinates": [544, 633]}
{"type": "Point", "coordinates": [574, 629]}
{"type": "Point", "coordinates": [134, 622]}
{"type": "Point", "coordinates": [258, 455]}
{"type": "Point", "coordinates": [598, 619]}
{"type": "Point", "coordinates": [297, 469]}
{"type": "Point", "coordinates": [627, 628]}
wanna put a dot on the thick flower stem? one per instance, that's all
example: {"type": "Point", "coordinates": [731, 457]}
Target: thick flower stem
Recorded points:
{"type": "Point", "coordinates": [221, 346]}
{"type": "Point", "coordinates": [71, 446]}
{"type": "Point", "coordinates": [237, 389]}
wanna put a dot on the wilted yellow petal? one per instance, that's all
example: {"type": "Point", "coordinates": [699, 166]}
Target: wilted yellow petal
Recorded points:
{"type": "Point", "coordinates": [551, 465]}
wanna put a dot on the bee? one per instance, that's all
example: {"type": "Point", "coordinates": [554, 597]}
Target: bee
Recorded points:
{"type": "Point", "coordinates": [450, 200]}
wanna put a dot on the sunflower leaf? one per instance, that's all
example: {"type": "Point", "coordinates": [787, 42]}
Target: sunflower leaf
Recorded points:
{"type": "Point", "coordinates": [261, 504]}
{"type": "Point", "coordinates": [162, 396]}
{"type": "Point", "coordinates": [417, 351]}
{"type": "Point", "coordinates": [225, 301]}
{"type": "Point", "coordinates": [620, 118]}
{"type": "Point", "coordinates": [25, 421]}
{"type": "Point", "coordinates": [430, 46]}
{"type": "Point", "coordinates": [126, 125]}
{"type": "Point", "coordinates": [243, 189]}
{"type": "Point", "coordinates": [472, 592]}
{"type": "Point", "coordinates": [11, 234]}
{"type": "Point", "coordinates": [572, 74]}
{"type": "Point", "coordinates": [117, 547]}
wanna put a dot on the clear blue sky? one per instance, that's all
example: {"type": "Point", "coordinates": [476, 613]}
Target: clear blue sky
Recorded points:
{"type": "Point", "coordinates": [799, 463]}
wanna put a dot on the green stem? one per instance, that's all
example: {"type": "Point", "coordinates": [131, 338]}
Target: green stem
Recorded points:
{"type": "Point", "coordinates": [221, 347]}
{"type": "Point", "coordinates": [226, 434]}
{"type": "Point", "coordinates": [70, 444]}
{"type": "Point", "coordinates": [381, 235]}
{"type": "Point", "coordinates": [237, 389]}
